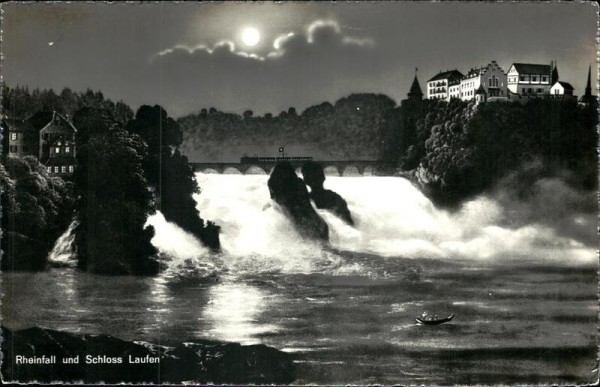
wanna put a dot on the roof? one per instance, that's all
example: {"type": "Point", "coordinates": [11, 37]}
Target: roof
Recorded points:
{"type": "Point", "coordinates": [415, 89]}
{"type": "Point", "coordinates": [18, 125]}
{"type": "Point", "coordinates": [565, 85]}
{"type": "Point", "coordinates": [481, 90]}
{"type": "Point", "coordinates": [452, 74]}
{"type": "Point", "coordinates": [60, 118]}
{"type": "Point", "coordinates": [528, 68]}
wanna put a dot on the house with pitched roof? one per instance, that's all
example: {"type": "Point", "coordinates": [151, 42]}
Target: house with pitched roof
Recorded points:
{"type": "Point", "coordinates": [531, 79]}
{"type": "Point", "coordinates": [438, 87]}
{"type": "Point", "coordinates": [57, 148]}
{"type": "Point", "coordinates": [22, 137]}
{"type": "Point", "coordinates": [561, 88]}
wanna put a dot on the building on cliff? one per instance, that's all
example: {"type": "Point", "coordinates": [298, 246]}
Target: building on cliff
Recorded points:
{"type": "Point", "coordinates": [57, 147]}
{"type": "Point", "coordinates": [531, 79]}
{"type": "Point", "coordinates": [561, 89]}
{"type": "Point", "coordinates": [490, 78]}
{"type": "Point", "coordinates": [23, 139]}
{"type": "Point", "coordinates": [438, 87]}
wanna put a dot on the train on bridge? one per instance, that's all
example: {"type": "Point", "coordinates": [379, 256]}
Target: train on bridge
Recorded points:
{"type": "Point", "coordinates": [260, 159]}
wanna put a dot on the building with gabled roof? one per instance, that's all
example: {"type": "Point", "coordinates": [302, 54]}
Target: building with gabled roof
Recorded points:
{"type": "Point", "coordinates": [491, 78]}
{"type": "Point", "coordinates": [438, 87]}
{"type": "Point", "coordinates": [561, 88]}
{"type": "Point", "coordinates": [530, 78]}
{"type": "Point", "coordinates": [23, 139]}
{"type": "Point", "coordinates": [57, 145]}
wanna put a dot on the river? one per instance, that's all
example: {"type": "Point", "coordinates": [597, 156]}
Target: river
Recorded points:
{"type": "Point", "coordinates": [519, 277]}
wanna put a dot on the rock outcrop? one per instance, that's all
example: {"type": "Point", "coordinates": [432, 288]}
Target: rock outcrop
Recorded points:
{"type": "Point", "coordinates": [110, 360]}
{"type": "Point", "coordinates": [289, 191]}
{"type": "Point", "coordinates": [314, 176]}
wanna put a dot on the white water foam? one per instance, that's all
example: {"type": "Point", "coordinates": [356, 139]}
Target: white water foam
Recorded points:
{"type": "Point", "coordinates": [393, 219]}
{"type": "Point", "coordinates": [62, 253]}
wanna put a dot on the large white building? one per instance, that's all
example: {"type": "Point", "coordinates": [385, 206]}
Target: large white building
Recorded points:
{"type": "Point", "coordinates": [490, 78]}
{"type": "Point", "coordinates": [439, 87]}
{"type": "Point", "coordinates": [531, 79]}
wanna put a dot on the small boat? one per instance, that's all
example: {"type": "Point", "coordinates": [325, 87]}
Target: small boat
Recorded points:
{"type": "Point", "coordinates": [434, 322]}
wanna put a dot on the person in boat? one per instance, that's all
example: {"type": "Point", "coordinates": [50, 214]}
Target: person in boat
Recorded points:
{"type": "Point", "coordinates": [424, 316]}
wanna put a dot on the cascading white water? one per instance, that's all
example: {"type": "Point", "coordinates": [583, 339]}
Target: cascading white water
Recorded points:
{"type": "Point", "coordinates": [62, 253]}
{"type": "Point", "coordinates": [393, 219]}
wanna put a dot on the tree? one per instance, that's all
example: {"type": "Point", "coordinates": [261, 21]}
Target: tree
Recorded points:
{"type": "Point", "coordinates": [169, 173]}
{"type": "Point", "coordinates": [113, 198]}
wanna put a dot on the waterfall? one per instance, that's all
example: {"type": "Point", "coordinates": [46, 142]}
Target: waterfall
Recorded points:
{"type": "Point", "coordinates": [393, 220]}
{"type": "Point", "coordinates": [62, 253]}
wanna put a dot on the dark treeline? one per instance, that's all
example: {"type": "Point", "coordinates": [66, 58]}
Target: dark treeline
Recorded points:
{"type": "Point", "coordinates": [352, 128]}
{"type": "Point", "coordinates": [128, 167]}
{"type": "Point", "coordinates": [36, 210]}
{"type": "Point", "coordinates": [456, 149]}
{"type": "Point", "coordinates": [20, 103]}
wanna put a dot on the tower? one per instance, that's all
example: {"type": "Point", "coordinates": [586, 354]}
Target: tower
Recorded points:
{"type": "Point", "coordinates": [554, 76]}
{"type": "Point", "coordinates": [415, 92]}
{"type": "Point", "coordinates": [588, 98]}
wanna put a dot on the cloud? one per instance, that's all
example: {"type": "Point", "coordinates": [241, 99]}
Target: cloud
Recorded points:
{"type": "Point", "coordinates": [319, 26]}
{"type": "Point", "coordinates": [318, 31]}
{"type": "Point", "coordinates": [309, 66]}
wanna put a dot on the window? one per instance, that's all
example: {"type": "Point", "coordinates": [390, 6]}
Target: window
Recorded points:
{"type": "Point", "coordinates": [544, 78]}
{"type": "Point", "coordinates": [71, 168]}
{"type": "Point", "coordinates": [534, 78]}
{"type": "Point", "coordinates": [63, 169]}
{"type": "Point", "coordinates": [49, 169]}
{"type": "Point", "coordinates": [13, 136]}
{"type": "Point", "coordinates": [67, 149]}
{"type": "Point", "coordinates": [522, 78]}
{"type": "Point", "coordinates": [529, 90]}
{"type": "Point", "coordinates": [539, 90]}
{"type": "Point", "coordinates": [556, 91]}
{"type": "Point", "coordinates": [57, 150]}
{"type": "Point", "coordinates": [58, 143]}
{"type": "Point", "coordinates": [55, 169]}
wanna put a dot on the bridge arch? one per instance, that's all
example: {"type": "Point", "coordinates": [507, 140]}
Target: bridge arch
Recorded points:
{"type": "Point", "coordinates": [351, 170]}
{"type": "Point", "coordinates": [370, 171]}
{"type": "Point", "coordinates": [331, 170]}
{"type": "Point", "coordinates": [231, 171]}
{"type": "Point", "coordinates": [255, 170]}
{"type": "Point", "coordinates": [210, 171]}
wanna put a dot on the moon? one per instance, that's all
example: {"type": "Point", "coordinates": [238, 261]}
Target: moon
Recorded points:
{"type": "Point", "coordinates": [250, 36]}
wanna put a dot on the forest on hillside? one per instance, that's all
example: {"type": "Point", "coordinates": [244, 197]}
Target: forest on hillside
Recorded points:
{"type": "Point", "coordinates": [351, 128]}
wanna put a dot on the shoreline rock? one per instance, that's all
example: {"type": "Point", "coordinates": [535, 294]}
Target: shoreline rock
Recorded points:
{"type": "Point", "coordinates": [106, 359]}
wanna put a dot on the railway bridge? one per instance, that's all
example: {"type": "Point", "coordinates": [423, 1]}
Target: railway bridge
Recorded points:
{"type": "Point", "coordinates": [253, 166]}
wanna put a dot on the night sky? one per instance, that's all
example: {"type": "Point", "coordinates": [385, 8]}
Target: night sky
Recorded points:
{"type": "Point", "coordinates": [190, 56]}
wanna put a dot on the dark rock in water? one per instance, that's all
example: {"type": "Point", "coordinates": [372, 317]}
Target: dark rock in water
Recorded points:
{"type": "Point", "coordinates": [25, 253]}
{"type": "Point", "coordinates": [110, 360]}
{"type": "Point", "coordinates": [290, 192]}
{"type": "Point", "coordinates": [314, 176]}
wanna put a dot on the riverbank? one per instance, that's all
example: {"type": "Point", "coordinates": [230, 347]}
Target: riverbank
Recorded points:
{"type": "Point", "coordinates": [46, 355]}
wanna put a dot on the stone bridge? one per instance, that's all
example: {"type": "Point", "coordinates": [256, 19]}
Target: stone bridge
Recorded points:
{"type": "Point", "coordinates": [332, 167]}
